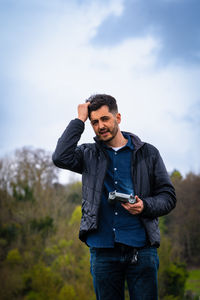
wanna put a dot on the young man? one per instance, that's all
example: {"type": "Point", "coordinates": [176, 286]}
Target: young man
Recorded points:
{"type": "Point", "coordinates": [123, 237]}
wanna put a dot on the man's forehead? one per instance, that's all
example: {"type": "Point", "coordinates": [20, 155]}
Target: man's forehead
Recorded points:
{"type": "Point", "coordinates": [102, 111]}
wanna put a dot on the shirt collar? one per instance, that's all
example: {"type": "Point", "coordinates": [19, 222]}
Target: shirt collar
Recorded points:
{"type": "Point", "coordinates": [129, 144]}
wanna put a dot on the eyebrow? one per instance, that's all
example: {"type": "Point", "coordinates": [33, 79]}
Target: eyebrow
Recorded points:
{"type": "Point", "coordinates": [100, 118]}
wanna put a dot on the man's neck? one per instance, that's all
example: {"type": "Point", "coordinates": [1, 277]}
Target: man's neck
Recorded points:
{"type": "Point", "coordinates": [118, 141]}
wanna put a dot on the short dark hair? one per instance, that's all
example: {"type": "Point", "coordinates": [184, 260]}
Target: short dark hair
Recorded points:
{"type": "Point", "coordinates": [98, 100]}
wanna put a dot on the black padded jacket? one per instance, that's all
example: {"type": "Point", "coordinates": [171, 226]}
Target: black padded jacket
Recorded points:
{"type": "Point", "coordinates": [150, 178]}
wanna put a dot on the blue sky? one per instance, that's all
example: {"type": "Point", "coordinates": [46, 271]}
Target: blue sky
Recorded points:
{"type": "Point", "coordinates": [55, 54]}
{"type": "Point", "coordinates": [175, 23]}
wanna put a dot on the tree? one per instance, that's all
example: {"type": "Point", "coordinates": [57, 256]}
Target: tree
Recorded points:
{"type": "Point", "coordinates": [41, 256]}
{"type": "Point", "coordinates": [183, 223]}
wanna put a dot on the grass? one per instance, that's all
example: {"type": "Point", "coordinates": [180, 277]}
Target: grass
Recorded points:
{"type": "Point", "coordinates": [193, 281]}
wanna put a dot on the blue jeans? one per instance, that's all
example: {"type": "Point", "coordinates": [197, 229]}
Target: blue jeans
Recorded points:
{"type": "Point", "coordinates": [111, 267]}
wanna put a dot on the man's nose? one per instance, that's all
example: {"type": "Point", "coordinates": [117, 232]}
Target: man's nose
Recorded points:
{"type": "Point", "coordinates": [101, 125]}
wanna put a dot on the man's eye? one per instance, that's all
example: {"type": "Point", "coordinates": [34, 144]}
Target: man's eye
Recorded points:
{"type": "Point", "coordinates": [105, 119]}
{"type": "Point", "coordinates": [94, 122]}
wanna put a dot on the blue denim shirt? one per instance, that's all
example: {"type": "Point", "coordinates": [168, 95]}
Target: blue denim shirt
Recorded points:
{"type": "Point", "coordinates": [116, 224]}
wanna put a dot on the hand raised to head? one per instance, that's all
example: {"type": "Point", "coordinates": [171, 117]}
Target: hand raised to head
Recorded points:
{"type": "Point", "coordinates": [83, 111]}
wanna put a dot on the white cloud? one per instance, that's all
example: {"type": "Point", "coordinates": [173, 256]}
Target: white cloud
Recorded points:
{"type": "Point", "coordinates": [61, 68]}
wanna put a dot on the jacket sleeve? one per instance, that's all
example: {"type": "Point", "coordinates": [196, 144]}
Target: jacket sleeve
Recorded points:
{"type": "Point", "coordinates": [163, 198]}
{"type": "Point", "coordinates": [67, 154]}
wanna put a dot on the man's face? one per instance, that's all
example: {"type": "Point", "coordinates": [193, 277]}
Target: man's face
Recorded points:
{"type": "Point", "coordinates": [104, 123]}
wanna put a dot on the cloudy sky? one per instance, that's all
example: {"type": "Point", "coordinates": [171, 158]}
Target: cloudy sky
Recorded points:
{"type": "Point", "coordinates": [146, 53]}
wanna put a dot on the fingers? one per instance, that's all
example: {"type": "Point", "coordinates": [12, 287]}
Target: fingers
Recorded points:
{"type": "Point", "coordinates": [83, 111]}
{"type": "Point", "coordinates": [135, 208]}
{"type": "Point", "coordinates": [137, 198]}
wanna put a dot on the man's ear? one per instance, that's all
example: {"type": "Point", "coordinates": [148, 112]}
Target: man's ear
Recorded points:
{"type": "Point", "coordinates": [118, 118]}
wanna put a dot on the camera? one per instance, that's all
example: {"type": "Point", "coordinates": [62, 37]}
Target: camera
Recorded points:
{"type": "Point", "coordinates": [124, 198]}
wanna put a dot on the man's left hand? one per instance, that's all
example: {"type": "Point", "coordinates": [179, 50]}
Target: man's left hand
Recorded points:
{"type": "Point", "coordinates": [135, 208]}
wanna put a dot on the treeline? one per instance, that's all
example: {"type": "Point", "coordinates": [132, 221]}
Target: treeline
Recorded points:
{"type": "Point", "coordinates": [183, 224]}
{"type": "Point", "coordinates": [41, 257]}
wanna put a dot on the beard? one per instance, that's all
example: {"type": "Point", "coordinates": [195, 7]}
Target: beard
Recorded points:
{"type": "Point", "coordinates": [112, 134]}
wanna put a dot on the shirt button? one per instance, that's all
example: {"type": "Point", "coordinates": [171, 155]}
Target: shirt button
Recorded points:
{"type": "Point", "coordinates": [113, 229]}
{"type": "Point", "coordinates": [116, 213]}
{"type": "Point", "coordinates": [115, 153]}
{"type": "Point", "coordinates": [115, 169]}
{"type": "Point", "coordinates": [115, 182]}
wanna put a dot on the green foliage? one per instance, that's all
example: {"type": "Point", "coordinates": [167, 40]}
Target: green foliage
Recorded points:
{"type": "Point", "coordinates": [22, 192]}
{"type": "Point", "coordinates": [64, 244]}
{"type": "Point", "coordinates": [183, 223]}
{"type": "Point", "coordinates": [176, 176]}
{"type": "Point", "coordinates": [67, 292]}
{"type": "Point", "coordinates": [193, 281]}
{"type": "Point", "coordinates": [33, 296]}
{"type": "Point", "coordinates": [3, 243]}
{"type": "Point", "coordinates": [9, 231]}
{"type": "Point", "coordinates": [43, 283]}
{"type": "Point", "coordinates": [190, 295]}
{"type": "Point", "coordinates": [74, 192]}
{"type": "Point", "coordinates": [14, 257]}
{"type": "Point", "coordinates": [175, 276]}
{"type": "Point", "coordinates": [44, 225]}
{"type": "Point", "coordinates": [162, 224]}
{"type": "Point", "coordinates": [76, 216]}
{"type": "Point", "coordinates": [41, 257]}
{"type": "Point", "coordinates": [172, 274]}
{"type": "Point", "coordinates": [170, 297]}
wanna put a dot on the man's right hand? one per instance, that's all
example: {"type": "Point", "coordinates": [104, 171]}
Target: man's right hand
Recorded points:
{"type": "Point", "coordinates": [83, 111]}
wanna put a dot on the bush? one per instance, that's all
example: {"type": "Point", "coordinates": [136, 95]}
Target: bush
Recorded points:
{"type": "Point", "coordinates": [174, 278]}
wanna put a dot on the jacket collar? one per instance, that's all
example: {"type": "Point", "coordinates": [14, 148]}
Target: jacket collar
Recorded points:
{"type": "Point", "coordinates": [135, 140]}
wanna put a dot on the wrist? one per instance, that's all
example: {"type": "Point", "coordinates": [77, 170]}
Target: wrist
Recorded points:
{"type": "Point", "coordinates": [82, 118]}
